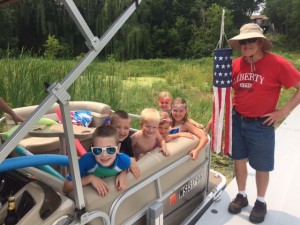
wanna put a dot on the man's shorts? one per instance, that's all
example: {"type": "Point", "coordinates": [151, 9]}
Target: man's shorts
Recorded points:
{"type": "Point", "coordinates": [253, 140]}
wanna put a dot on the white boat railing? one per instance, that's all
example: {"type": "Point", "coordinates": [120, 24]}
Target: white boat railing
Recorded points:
{"type": "Point", "coordinates": [160, 196]}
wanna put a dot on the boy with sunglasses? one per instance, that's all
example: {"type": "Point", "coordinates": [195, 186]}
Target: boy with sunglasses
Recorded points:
{"type": "Point", "coordinates": [104, 160]}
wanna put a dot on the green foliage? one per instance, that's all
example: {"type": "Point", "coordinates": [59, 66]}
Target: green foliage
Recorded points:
{"type": "Point", "coordinates": [158, 29]}
{"type": "Point", "coordinates": [53, 48]}
{"type": "Point", "coordinates": [285, 16]}
{"type": "Point", "coordinates": [128, 85]}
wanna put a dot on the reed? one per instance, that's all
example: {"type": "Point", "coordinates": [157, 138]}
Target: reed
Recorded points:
{"type": "Point", "coordinates": [129, 85]}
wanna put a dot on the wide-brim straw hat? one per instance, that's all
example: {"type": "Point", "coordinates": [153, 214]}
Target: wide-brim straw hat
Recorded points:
{"type": "Point", "coordinates": [250, 30]}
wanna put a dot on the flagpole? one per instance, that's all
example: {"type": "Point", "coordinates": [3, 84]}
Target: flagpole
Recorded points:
{"type": "Point", "coordinates": [222, 32]}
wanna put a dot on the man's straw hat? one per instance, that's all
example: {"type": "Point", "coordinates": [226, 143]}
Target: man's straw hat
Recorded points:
{"type": "Point", "coordinates": [250, 30]}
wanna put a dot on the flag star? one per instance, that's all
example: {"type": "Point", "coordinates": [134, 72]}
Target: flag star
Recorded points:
{"type": "Point", "coordinates": [228, 81]}
{"type": "Point", "coordinates": [223, 66]}
{"type": "Point", "coordinates": [217, 66]}
{"type": "Point", "coordinates": [225, 74]}
{"type": "Point", "coordinates": [222, 82]}
{"type": "Point", "coordinates": [226, 57]}
{"type": "Point", "coordinates": [220, 74]}
{"type": "Point", "coordinates": [216, 57]}
{"type": "Point", "coordinates": [215, 73]}
{"type": "Point", "coordinates": [217, 81]}
{"type": "Point", "coordinates": [228, 65]}
{"type": "Point", "coordinates": [221, 58]}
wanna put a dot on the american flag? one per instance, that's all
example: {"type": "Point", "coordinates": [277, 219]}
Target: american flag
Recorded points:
{"type": "Point", "coordinates": [222, 100]}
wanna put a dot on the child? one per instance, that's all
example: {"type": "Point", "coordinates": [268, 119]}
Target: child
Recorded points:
{"type": "Point", "coordinates": [164, 102]}
{"type": "Point", "coordinates": [180, 123]}
{"type": "Point", "coordinates": [103, 160]}
{"type": "Point", "coordinates": [164, 128]}
{"type": "Point", "coordinates": [148, 137]}
{"type": "Point", "coordinates": [120, 120]}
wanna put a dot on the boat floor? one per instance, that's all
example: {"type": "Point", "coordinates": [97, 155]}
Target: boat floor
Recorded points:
{"type": "Point", "coordinates": [283, 194]}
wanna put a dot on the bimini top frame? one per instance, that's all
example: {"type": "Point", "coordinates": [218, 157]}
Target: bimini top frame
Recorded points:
{"type": "Point", "coordinates": [58, 93]}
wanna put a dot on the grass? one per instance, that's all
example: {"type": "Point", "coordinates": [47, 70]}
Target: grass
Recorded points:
{"type": "Point", "coordinates": [129, 85]}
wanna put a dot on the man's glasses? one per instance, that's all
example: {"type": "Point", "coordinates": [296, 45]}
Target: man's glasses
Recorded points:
{"type": "Point", "coordinates": [249, 41]}
{"type": "Point", "coordinates": [99, 150]}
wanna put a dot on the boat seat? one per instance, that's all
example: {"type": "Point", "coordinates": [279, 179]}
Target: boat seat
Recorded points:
{"type": "Point", "coordinates": [149, 164]}
{"type": "Point", "coordinates": [40, 145]}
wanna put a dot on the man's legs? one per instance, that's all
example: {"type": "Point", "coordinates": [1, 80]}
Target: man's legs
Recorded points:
{"type": "Point", "coordinates": [259, 210]}
{"type": "Point", "coordinates": [241, 173]}
{"type": "Point", "coordinates": [262, 181]}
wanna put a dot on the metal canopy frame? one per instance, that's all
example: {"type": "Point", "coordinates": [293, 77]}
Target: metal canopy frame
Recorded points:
{"type": "Point", "coordinates": [58, 93]}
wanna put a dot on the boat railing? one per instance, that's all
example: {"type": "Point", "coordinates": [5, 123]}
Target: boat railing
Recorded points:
{"type": "Point", "coordinates": [160, 196]}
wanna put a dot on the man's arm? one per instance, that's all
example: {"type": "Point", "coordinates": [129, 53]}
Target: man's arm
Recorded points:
{"type": "Point", "coordinates": [5, 108]}
{"type": "Point", "coordinates": [280, 114]}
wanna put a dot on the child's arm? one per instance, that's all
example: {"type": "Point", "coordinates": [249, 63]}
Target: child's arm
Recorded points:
{"type": "Point", "coordinates": [181, 134]}
{"type": "Point", "coordinates": [121, 181]}
{"type": "Point", "coordinates": [133, 139]}
{"type": "Point", "coordinates": [163, 144]}
{"type": "Point", "coordinates": [202, 142]}
{"type": "Point", "coordinates": [194, 123]}
{"type": "Point", "coordinates": [209, 125]}
{"type": "Point", "coordinates": [98, 183]}
{"type": "Point", "coordinates": [134, 168]}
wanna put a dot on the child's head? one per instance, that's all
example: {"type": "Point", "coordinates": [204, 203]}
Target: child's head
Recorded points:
{"type": "Point", "coordinates": [164, 101]}
{"type": "Point", "coordinates": [164, 124]}
{"type": "Point", "coordinates": [179, 111]}
{"type": "Point", "coordinates": [105, 145]}
{"type": "Point", "coordinates": [149, 121]}
{"type": "Point", "coordinates": [120, 120]}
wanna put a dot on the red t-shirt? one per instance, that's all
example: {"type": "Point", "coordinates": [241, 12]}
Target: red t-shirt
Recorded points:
{"type": "Point", "coordinates": [257, 92]}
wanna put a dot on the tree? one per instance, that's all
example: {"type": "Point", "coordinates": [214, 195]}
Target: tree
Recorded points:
{"type": "Point", "coordinates": [285, 16]}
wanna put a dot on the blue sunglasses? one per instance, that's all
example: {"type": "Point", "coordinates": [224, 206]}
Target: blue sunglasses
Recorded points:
{"type": "Point", "coordinates": [99, 150]}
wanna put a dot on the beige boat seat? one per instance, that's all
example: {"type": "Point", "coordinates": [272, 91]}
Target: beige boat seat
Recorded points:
{"type": "Point", "coordinates": [149, 164]}
{"type": "Point", "coordinates": [38, 145]}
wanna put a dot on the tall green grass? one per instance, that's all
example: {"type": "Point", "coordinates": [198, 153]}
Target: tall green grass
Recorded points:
{"type": "Point", "coordinates": [129, 85]}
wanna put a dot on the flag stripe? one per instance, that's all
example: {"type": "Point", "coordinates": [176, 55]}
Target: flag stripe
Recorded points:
{"type": "Point", "coordinates": [222, 101]}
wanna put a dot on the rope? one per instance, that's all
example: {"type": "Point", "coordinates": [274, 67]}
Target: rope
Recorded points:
{"type": "Point", "coordinates": [222, 32]}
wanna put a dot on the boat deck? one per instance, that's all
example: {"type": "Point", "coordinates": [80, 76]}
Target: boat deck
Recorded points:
{"type": "Point", "coordinates": [283, 196]}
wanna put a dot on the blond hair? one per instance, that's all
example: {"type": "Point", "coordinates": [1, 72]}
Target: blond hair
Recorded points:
{"type": "Point", "coordinates": [150, 115]}
{"type": "Point", "coordinates": [164, 94]}
{"type": "Point", "coordinates": [165, 118]}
